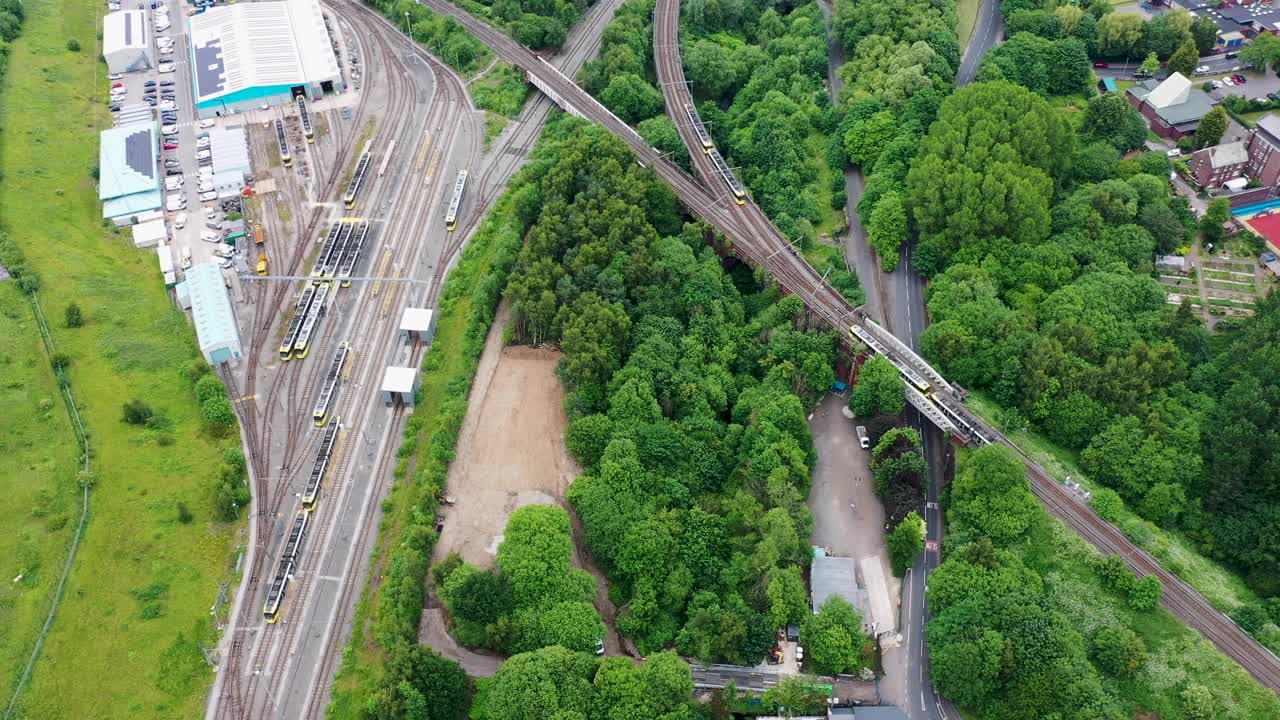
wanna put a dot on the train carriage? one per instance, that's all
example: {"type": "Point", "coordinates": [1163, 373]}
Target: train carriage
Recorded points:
{"type": "Point", "coordinates": [455, 203]}
{"type": "Point", "coordinates": [357, 180]}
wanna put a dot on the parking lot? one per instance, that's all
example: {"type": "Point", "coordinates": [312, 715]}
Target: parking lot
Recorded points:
{"type": "Point", "coordinates": [194, 225]}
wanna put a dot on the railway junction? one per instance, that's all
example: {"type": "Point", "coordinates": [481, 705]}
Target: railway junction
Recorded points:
{"type": "Point", "coordinates": [755, 240]}
{"type": "Point", "coordinates": [365, 220]}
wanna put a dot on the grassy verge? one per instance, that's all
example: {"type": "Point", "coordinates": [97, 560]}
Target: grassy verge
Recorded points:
{"type": "Point", "coordinates": [389, 612]}
{"type": "Point", "coordinates": [1223, 589]}
{"type": "Point", "coordinates": [966, 20]}
{"type": "Point", "coordinates": [502, 90]}
{"type": "Point", "coordinates": [1177, 655]}
{"type": "Point", "coordinates": [37, 479]}
{"type": "Point", "coordinates": [494, 124]}
{"type": "Point", "coordinates": [127, 639]}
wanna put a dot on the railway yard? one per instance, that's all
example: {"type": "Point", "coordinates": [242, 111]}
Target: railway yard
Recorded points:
{"type": "Point", "coordinates": [362, 202]}
{"type": "Point", "coordinates": [318, 336]}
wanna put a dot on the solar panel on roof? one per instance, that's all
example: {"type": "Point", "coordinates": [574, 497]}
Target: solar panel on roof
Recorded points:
{"type": "Point", "coordinates": [139, 153]}
{"type": "Point", "coordinates": [210, 72]}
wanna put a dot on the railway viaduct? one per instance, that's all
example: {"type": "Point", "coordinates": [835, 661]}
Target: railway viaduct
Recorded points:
{"type": "Point", "coordinates": [754, 238]}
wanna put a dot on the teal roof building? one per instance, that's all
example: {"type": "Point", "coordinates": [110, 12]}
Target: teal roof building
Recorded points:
{"type": "Point", "coordinates": [128, 175]}
{"type": "Point", "coordinates": [211, 310]}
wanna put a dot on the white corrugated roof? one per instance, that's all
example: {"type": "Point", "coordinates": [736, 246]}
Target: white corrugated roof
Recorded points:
{"type": "Point", "coordinates": [1172, 91]}
{"type": "Point", "coordinates": [260, 44]}
{"type": "Point", "coordinates": [399, 379]}
{"type": "Point", "coordinates": [211, 308]}
{"type": "Point", "coordinates": [125, 29]}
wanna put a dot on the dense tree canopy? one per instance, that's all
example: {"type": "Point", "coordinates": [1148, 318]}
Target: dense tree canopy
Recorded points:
{"type": "Point", "coordinates": [686, 395]}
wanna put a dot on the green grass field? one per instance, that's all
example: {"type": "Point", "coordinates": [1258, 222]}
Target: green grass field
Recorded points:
{"type": "Point", "coordinates": [137, 602]}
{"type": "Point", "coordinates": [1221, 587]}
{"type": "Point", "coordinates": [38, 467]}
{"type": "Point", "coordinates": [966, 20]}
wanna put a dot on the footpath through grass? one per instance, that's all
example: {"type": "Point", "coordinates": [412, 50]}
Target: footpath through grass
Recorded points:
{"type": "Point", "coordinates": [125, 642]}
{"type": "Point", "coordinates": [38, 467]}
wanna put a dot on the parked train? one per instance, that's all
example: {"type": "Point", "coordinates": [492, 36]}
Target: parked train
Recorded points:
{"type": "Point", "coordinates": [283, 141]}
{"type": "Point", "coordinates": [284, 571]}
{"type": "Point", "coordinates": [311, 493]}
{"type": "Point", "coordinates": [459, 186]}
{"type": "Point", "coordinates": [305, 115]}
{"type": "Point", "coordinates": [357, 180]}
{"type": "Point", "coordinates": [329, 387]}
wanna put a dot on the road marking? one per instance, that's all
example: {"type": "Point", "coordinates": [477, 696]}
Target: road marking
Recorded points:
{"type": "Point", "coordinates": [931, 546]}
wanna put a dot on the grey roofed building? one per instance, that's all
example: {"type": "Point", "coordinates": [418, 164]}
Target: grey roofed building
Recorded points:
{"type": "Point", "coordinates": [1227, 154]}
{"type": "Point", "coordinates": [1270, 125]}
{"type": "Point", "coordinates": [839, 576]}
{"type": "Point", "coordinates": [879, 712]}
{"type": "Point", "coordinates": [1174, 106]}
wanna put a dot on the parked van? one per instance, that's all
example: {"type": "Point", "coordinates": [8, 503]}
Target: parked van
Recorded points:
{"type": "Point", "coordinates": [863, 440]}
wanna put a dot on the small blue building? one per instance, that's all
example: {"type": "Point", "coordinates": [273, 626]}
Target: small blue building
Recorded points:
{"type": "Point", "coordinates": [211, 310]}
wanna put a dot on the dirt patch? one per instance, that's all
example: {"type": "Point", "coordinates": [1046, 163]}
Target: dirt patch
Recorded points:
{"type": "Point", "coordinates": [511, 449]}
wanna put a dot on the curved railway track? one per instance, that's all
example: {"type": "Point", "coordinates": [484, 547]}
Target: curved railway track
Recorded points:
{"type": "Point", "coordinates": [374, 324]}
{"type": "Point", "coordinates": [757, 241]}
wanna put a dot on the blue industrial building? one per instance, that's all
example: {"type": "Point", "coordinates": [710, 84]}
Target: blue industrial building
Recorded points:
{"type": "Point", "coordinates": [211, 310]}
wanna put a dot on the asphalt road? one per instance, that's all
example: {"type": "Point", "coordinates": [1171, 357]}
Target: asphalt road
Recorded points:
{"type": "Point", "coordinates": [987, 33]}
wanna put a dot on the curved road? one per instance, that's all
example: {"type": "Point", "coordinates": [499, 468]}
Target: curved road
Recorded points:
{"type": "Point", "coordinates": [757, 241]}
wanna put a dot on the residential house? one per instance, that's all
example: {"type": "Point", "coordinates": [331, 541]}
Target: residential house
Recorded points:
{"type": "Point", "coordinates": [1173, 108]}
{"type": "Point", "coordinates": [1264, 151]}
{"type": "Point", "coordinates": [1215, 165]}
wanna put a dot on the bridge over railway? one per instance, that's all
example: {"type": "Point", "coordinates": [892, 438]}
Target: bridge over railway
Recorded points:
{"type": "Point", "coordinates": [754, 238]}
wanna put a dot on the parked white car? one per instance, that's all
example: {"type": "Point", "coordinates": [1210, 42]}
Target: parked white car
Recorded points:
{"type": "Point", "coordinates": [203, 154]}
{"type": "Point", "coordinates": [114, 76]}
{"type": "Point", "coordinates": [202, 143]}
{"type": "Point", "coordinates": [210, 236]}
{"type": "Point", "coordinates": [179, 221]}
{"type": "Point", "coordinates": [1202, 70]}
{"type": "Point", "coordinates": [1228, 82]}
{"type": "Point", "coordinates": [164, 42]}
{"type": "Point", "coordinates": [167, 67]}
{"type": "Point", "coordinates": [168, 105]}
{"type": "Point", "coordinates": [166, 51]}
{"type": "Point", "coordinates": [205, 186]}
{"type": "Point", "coordinates": [208, 196]}
{"type": "Point", "coordinates": [208, 123]}
{"type": "Point", "coordinates": [168, 129]}
{"type": "Point", "coordinates": [210, 212]}
{"type": "Point", "coordinates": [173, 182]}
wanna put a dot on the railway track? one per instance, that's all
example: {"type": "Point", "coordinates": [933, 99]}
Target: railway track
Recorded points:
{"type": "Point", "coordinates": [755, 239]}
{"type": "Point", "coordinates": [269, 298]}
{"type": "Point", "coordinates": [374, 327]}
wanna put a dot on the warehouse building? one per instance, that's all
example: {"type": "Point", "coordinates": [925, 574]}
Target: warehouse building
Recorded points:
{"type": "Point", "coordinates": [229, 150]}
{"type": "Point", "coordinates": [128, 179]}
{"type": "Point", "coordinates": [126, 41]}
{"type": "Point", "coordinates": [211, 310]}
{"type": "Point", "coordinates": [247, 55]}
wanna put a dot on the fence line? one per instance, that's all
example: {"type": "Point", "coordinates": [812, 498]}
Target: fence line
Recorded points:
{"type": "Point", "coordinates": [82, 439]}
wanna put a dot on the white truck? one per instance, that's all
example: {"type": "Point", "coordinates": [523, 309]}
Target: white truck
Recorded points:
{"type": "Point", "coordinates": [863, 440]}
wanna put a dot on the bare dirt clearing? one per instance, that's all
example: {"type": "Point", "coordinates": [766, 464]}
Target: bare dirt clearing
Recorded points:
{"type": "Point", "coordinates": [511, 448]}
